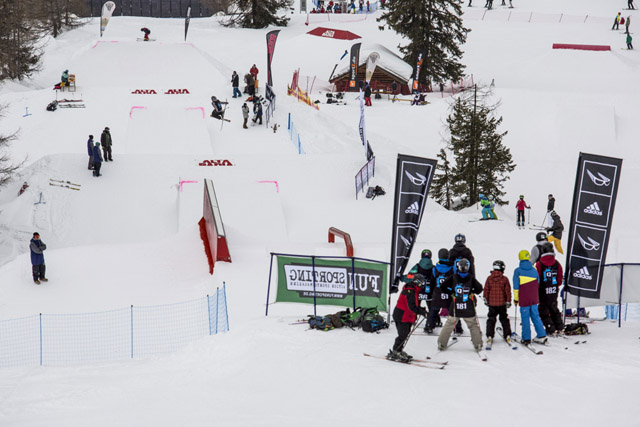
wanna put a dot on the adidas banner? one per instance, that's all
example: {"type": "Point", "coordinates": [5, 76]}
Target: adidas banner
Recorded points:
{"type": "Point", "coordinates": [594, 200]}
{"type": "Point", "coordinates": [272, 36]}
{"type": "Point", "coordinates": [187, 19]}
{"type": "Point", "coordinates": [107, 11]}
{"type": "Point", "coordinates": [413, 178]}
{"type": "Point", "coordinates": [354, 59]}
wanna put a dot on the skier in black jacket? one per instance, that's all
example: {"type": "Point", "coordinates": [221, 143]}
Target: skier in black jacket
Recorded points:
{"type": "Point", "coordinates": [555, 231]}
{"type": "Point", "coordinates": [441, 271]}
{"type": "Point", "coordinates": [459, 251]}
{"type": "Point", "coordinates": [405, 315]}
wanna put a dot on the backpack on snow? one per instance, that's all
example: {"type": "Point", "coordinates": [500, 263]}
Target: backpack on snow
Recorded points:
{"type": "Point", "coordinates": [576, 329]}
{"type": "Point", "coordinates": [372, 321]}
{"type": "Point", "coordinates": [336, 318]}
{"type": "Point", "coordinates": [322, 323]}
{"type": "Point", "coordinates": [53, 105]}
{"type": "Point", "coordinates": [353, 318]}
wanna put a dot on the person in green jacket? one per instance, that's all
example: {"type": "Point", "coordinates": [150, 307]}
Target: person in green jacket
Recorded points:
{"type": "Point", "coordinates": [629, 39]}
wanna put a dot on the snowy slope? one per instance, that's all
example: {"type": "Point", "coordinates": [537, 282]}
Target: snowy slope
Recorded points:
{"type": "Point", "coordinates": [130, 237]}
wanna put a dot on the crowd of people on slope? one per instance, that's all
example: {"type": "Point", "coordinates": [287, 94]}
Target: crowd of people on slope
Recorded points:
{"type": "Point", "coordinates": [251, 89]}
{"type": "Point", "coordinates": [621, 20]}
{"type": "Point", "coordinates": [450, 288]}
{"type": "Point", "coordinates": [339, 7]}
{"type": "Point", "coordinates": [97, 156]}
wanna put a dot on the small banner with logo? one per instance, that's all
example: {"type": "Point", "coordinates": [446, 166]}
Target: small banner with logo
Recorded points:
{"type": "Point", "coordinates": [272, 36]}
{"type": "Point", "coordinates": [372, 62]}
{"type": "Point", "coordinates": [333, 281]}
{"type": "Point", "coordinates": [354, 59]}
{"type": "Point", "coordinates": [361, 127]}
{"type": "Point", "coordinates": [416, 69]}
{"type": "Point", "coordinates": [107, 11]}
{"type": "Point", "coordinates": [413, 178]}
{"type": "Point", "coordinates": [187, 19]}
{"type": "Point", "coordinates": [594, 200]}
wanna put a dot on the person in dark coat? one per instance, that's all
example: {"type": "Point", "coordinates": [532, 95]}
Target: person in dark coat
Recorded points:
{"type": "Point", "coordinates": [106, 142]}
{"type": "Point", "coordinates": [235, 82]}
{"type": "Point", "coordinates": [37, 246]}
{"type": "Point", "coordinates": [405, 315]}
{"type": "Point", "coordinates": [257, 112]}
{"type": "Point", "coordinates": [90, 145]}
{"type": "Point", "coordinates": [462, 288]}
{"type": "Point", "coordinates": [97, 160]}
{"type": "Point", "coordinates": [460, 250]}
{"type": "Point", "coordinates": [440, 300]}
{"type": "Point", "coordinates": [367, 95]}
{"type": "Point", "coordinates": [425, 268]}
{"type": "Point", "coordinates": [555, 231]}
{"type": "Point", "coordinates": [543, 246]}
{"type": "Point", "coordinates": [250, 87]}
{"type": "Point", "coordinates": [550, 273]}
{"type": "Point", "coordinates": [551, 204]}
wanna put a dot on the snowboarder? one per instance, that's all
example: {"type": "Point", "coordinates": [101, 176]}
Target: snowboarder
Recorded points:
{"type": "Point", "coordinates": [367, 95]}
{"type": "Point", "coordinates": [550, 206]}
{"type": "Point", "coordinates": [257, 112]}
{"type": "Point", "coordinates": [616, 22]}
{"type": "Point", "coordinates": [463, 288]}
{"type": "Point", "coordinates": [218, 112]}
{"type": "Point", "coordinates": [90, 145]}
{"type": "Point", "coordinates": [439, 300]}
{"type": "Point", "coordinates": [525, 293]}
{"type": "Point", "coordinates": [542, 246]}
{"type": "Point", "coordinates": [556, 231]}
{"type": "Point", "coordinates": [38, 268]}
{"type": "Point", "coordinates": [629, 40]}
{"type": "Point", "coordinates": [550, 272]}
{"type": "Point", "coordinates": [245, 115]}
{"type": "Point", "coordinates": [146, 32]}
{"type": "Point", "coordinates": [97, 160]}
{"type": "Point", "coordinates": [405, 315]}
{"type": "Point", "coordinates": [520, 206]}
{"type": "Point", "coordinates": [106, 141]}
{"type": "Point", "coordinates": [497, 296]}
{"type": "Point", "coordinates": [424, 267]}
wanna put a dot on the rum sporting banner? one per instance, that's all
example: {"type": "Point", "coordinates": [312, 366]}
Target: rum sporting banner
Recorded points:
{"type": "Point", "coordinates": [594, 200]}
{"type": "Point", "coordinates": [413, 179]}
{"type": "Point", "coordinates": [416, 69]}
{"type": "Point", "coordinates": [333, 282]}
{"type": "Point", "coordinates": [107, 11]}
{"type": "Point", "coordinates": [187, 19]}
{"type": "Point", "coordinates": [272, 36]}
{"type": "Point", "coordinates": [354, 59]}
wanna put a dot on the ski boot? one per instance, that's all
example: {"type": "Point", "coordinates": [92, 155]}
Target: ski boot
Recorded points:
{"type": "Point", "coordinates": [392, 355]}
{"type": "Point", "coordinates": [489, 342]}
{"type": "Point", "coordinates": [540, 340]}
{"type": "Point", "coordinates": [508, 339]}
{"type": "Point", "coordinates": [428, 330]}
{"type": "Point", "coordinates": [404, 357]}
{"type": "Point", "coordinates": [526, 342]}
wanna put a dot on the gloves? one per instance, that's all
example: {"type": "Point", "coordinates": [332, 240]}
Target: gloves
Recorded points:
{"type": "Point", "coordinates": [394, 289]}
{"type": "Point", "coordinates": [516, 302]}
{"type": "Point", "coordinates": [509, 304]}
{"type": "Point", "coordinates": [423, 312]}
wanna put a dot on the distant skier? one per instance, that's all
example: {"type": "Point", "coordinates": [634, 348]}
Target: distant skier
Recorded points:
{"type": "Point", "coordinates": [550, 272]}
{"type": "Point", "coordinates": [525, 292]}
{"type": "Point", "coordinates": [64, 79]}
{"type": "Point", "coordinates": [245, 115]}
{"type": "Point", "coordinates": [556, 231]}
{"type": "Point", "coordinates": [629, 40]}
{"type": "Point", "coordinates": [630, 4]}
{"type": "Point", "coordinates": [497, 296]}
{"type": "Point", "coordinates": [106, 142]}
{"type": "Point", "coordinates": [146, 32]}
{"type": "Point", "coordinates": [38, 268]}
{"type": "Point", "coordinates": [235, 82]}
{"type": "Point", "coordinates": [520, 207]}
{"type": "Point", "coordinates": [550, 207]}
{"type": "Point", "coordinates": [90, 144]}
{"type": "Point", "coordinates": [487, 208]}
{"type": "Point", "coordinates": [627, 22]}
{"type": "Point", "coordinates": [405, 315]}
{"type": "Point", "coordinates": [97, 160]}
{"type": "Point", "coordinates": [616, 22]}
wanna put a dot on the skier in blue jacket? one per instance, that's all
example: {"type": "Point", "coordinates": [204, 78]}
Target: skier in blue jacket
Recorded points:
{"type": "Point", "coordinates": [90, 144]}
{"type": "Point", "coordinates": [37, 246]}
{"type": "Point", "coordinates": [525, 294]}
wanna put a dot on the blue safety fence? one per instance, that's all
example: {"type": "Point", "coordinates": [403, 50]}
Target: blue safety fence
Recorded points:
{"type": "Point", "coordinates": [134, 332]}
{"type": "Point", "coordinates": [294, 136]}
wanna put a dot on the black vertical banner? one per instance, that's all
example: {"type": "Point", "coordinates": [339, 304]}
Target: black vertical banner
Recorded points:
{"type": "Point", "coordinates": [354, 59]}
{"type": "Point", "coordinates": [594, 200]}
{"type": "Point", "coordinates": [272, 36]}
{"type": "Point", "coordinates": [186, 22]}
{"type": "Point", "coordinates": [416, 69]}
{"type": "Point", "coordinates": [413, 178]}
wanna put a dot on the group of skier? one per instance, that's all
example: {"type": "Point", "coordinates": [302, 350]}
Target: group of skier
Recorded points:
{"type": "Point", "coordinates": [95, 155]}
{"type": "Point", "coordinates": [450, 288]}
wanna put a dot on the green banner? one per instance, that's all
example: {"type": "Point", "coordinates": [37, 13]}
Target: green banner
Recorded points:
{"type": "Point", "coordinates": [334, 280]}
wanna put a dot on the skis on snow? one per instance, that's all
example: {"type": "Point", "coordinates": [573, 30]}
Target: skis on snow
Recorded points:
{"type": "Point", "coordinates": [419, 363]}
{"type": "Point", "coordinates": [65, 184]}
{"type": "Point", "coordinates": [529, 346]}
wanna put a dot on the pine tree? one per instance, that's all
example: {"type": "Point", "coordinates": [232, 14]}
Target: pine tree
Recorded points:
{"type": "Point", "coordinates": [441, 183]}
{"type": "Point", "coordinates": [19, 56]}
{"type": "Point", "coordinates": [482, 161]}
{"type": "Point", "coordinates": [258, 13]}
{"type": "Point", "coordinates": [54, 16]}
{"type": "Point", "coordinates": [434, 27]}
{"type": "Point", "coordinates": [7, 169]}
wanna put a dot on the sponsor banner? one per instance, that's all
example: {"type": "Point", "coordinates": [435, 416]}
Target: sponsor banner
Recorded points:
{"type": "Point", "coordinates": [413, 178]}
{"type": "Point", "coordinates": [372, 62]}
{"type": "Point", "coordinates": [107, 11]}
{"type": "Point", "coordinates": [272, 36]}
{"type": "Point", "coordinates": [361, 127]}
{"type": "Point", "coordinates": [354, 59]}
{"type": "Point", "coordinates": [187, 19]}
{"type": "Point", "coordinates": [332, 282]}
{"type": "Point", "coordinates": [416, 69]}
{"type": "Point", "coordinates": [594, 201]}
{"type": "Point", "coordinates": [224, 162]}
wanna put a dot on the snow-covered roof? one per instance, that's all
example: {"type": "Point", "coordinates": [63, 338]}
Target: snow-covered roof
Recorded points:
{"type": "Point", "coordinates": [389, 61]}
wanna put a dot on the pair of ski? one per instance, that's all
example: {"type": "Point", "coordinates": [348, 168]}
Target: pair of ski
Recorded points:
{"type": "Point", "coordinates": [454, 340]}
{"type": "Point", "coordinates": [65, 184]}
{"type": "Point", "coordinates": [420, 363]}
{"type": "Point", "coordinates": [529, 346]}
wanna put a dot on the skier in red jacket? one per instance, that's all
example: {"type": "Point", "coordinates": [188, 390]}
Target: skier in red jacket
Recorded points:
{"type": "Point", "coordinates": [405, 315]}
{"type": "Point", "coordinates": [520, 206]}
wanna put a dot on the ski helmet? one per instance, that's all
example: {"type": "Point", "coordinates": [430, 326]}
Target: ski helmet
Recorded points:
{"type": "Point", "coordinates": [463, 265]}
{"type": "Point", "coordinates": [554, 214]}
{"type": "Point", "coordinates": [481, 196]}
{"type": "Point", "coordinates": [426, 253]}
{"type": "Point", "coordinates": [490, 197]}
{"type": "Point", "coordinates": [443, 254]}
{"type": "Point", "coordinates": [419, 279]}
{"type": "Point", "coordinates": [541, 236]}
{"type": "Point", "coordinates": [522, 196]}
{"type": "Point", "coordinates": [498, 265]}
{"type": "Point", "coordinates": [460, 238]}
{"type": "Point", "coordinates": [524, 255]}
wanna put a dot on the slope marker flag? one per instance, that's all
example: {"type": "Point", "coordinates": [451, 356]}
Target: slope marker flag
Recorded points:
{"type": "Point", "coordinates": [107, 11]}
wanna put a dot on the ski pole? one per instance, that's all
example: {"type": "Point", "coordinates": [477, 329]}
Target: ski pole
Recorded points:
{"type": "Point", "coordinates": [529, 216]}
{"type": "Point", "coordinates": [515, 322]}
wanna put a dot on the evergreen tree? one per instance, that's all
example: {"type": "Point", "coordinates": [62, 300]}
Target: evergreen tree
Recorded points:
{"type": "Point", "coordinates": [258, 13]}
{"type": "Point", "coordinates": [482, 161]}
{"type": "Point", "coordinates": [54, 16]}
{"type": "Point", "coordinates": [434, 27]}
{"type": "Point", "coordinates": [7, 170]}
{"type": "Point", "coordinates": [19, 56]}
{"type": "Point", "coordinates": [441, 183]}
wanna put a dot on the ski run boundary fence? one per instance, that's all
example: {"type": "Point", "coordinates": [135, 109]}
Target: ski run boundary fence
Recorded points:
{"type": "Point", "coordinates": [128, 333]}
{"type": "Point", "coordinates": [294, 136]}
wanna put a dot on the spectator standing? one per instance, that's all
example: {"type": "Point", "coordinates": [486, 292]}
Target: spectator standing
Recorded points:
{"type": "Point", "coordinates": [97, 160]}
{"type": "Point", "coordinates": [245, 115]}
{"type": "Point", "coordinates": [520, 207]}
{"type": "Point", "coordinates": [235, 82]}
{"type": "Point", "coordinates": [555, 231]}
{"type": "Point", "coordinates": [38, 267]}
{"type": "Point", "coordinates": [629, 40]}
{"type": "Point", "coordinates": [257, 112]}
{"type": "Point", "coordinates": [551, 205]}
{"type": "Point", "coordinates": [90, 145]}
{"type": "Point", "coordinates": [254, 72]}
{"type": "Point", "coordinates": [616, 22]}
{"type": "Point", "coordinates": [367, 95]}
{"type": "Point", "coordinates": [105, 141]}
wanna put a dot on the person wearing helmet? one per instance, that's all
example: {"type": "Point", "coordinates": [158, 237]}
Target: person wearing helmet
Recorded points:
{"type": "Point", "coordinates": [550, 207]}
{"type": "Point", "coordinates": [487, 208]}
{"type": "Point", "coordinates": [146, 32]}
{"type": "Point", "coordinates": [440, 300]}
{"type": "Point", "coordinates": [462, 287]}
{"type": "Point", "coordinates": [423, 267]}
{"type": "Point", "coordinates": [460, 250]}
{"type": "Point", "coordinates": [217, 112]}
{"type": "Point", "coordinates": [550, 273]}
{"type": "Point", "coordinates": [525, 293]}
{"type": "Point", "coordinates": [497, 296]}
{"type": "Point", "coordinates": [405, 315]}
{"type": "Point", "coordinates": [520, 207]}
{"type": "Point", "coordinates": [555, 231]}
{"type": "Point", "coordinates": [542, 246]}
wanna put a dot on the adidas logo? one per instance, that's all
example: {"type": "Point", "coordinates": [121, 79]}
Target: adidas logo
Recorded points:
{"type": "Point", "coordinates": [591, 245]}
{"type": "Point", "coordinates": [593, 209]}
{"type": "Point", "coordinates": [583, 273]}
{"type": "Point", "coordinates": [600, 180]}
{"type": "Point", "coordinates": [413, 209]}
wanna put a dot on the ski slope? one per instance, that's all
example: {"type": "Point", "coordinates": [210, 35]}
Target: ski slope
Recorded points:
{"type": "Point", "coordinates": [130, 236]}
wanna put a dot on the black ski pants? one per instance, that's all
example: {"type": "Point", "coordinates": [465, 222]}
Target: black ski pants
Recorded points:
{"type": "Point", "coordinates": [96, 168]}
{"type": "Point", "coordinates": [494, 312]}
{"type": "Point", "coordinates": [550, 316]}
{"type": "Point", "coordinates": [434, 316]}
{"type": "Point", "coordinates": [38, 271]}
{"type": "Point", "coordinates": [107, 153]}
{"type": "Point", "coordinates": [404, 329]}
{"type": "Point", "coordinates": [520, 218]}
